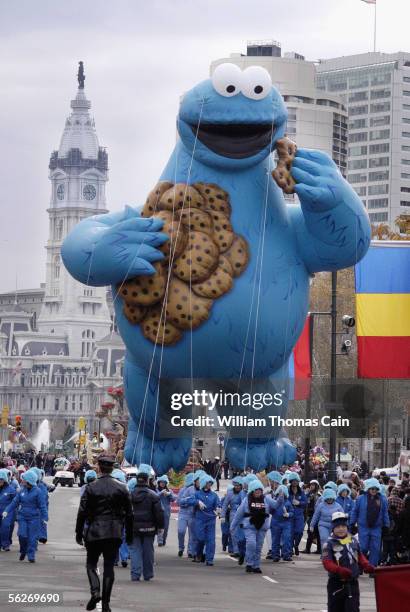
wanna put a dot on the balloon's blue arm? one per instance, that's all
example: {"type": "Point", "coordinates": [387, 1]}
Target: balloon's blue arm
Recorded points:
{"type": "Point", "coordinates": [108, 249]}
{"type": "Point", "coordinates": [331, 225]}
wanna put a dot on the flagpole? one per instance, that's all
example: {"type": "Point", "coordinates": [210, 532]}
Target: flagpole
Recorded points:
{"type": "Point", "coordinates": [375, 26]}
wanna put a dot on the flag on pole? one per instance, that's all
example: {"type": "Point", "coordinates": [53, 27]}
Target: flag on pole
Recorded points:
{"type": "Point", "coordinates": [300, 368]}
{"type": "Point", "coordinates": [382, 280]}
{"type": "Point", "coordinates": [369, 1]}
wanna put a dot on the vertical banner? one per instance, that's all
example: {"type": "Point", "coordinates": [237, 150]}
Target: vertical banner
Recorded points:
{"type": "Point", "coordinates": [382, 280]}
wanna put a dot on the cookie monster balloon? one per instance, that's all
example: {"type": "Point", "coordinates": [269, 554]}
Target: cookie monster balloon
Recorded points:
{"type": "Point", "coordinates": [211, 277]}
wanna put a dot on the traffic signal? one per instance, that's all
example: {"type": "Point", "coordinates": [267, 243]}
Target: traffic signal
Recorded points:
{"type": "Point", "coordinates": [373, 430]}
{"type": "Point", "coordinates": [17, 419]}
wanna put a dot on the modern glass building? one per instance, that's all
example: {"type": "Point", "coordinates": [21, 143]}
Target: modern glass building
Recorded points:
{"type": "Point", "coordinates": [375, 88]}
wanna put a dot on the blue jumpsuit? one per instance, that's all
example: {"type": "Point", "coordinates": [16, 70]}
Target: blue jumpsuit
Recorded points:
{"type": "Point", "coordinates": [370, 538]}
{"type": "Point", "coordinates": [43, 526]}
{"type": "Point", "coordinates": [204, 523]}
{"type": "Point", "coordinates": [166, 501]}
{"type": "Point", "coordinates": [347, 503]}
{"type": "Point", "coordinates": [231, 503]}
{"type": "Point", "coordinates": [31, 510]}
{"type": "Point", "coordinates": [281, 529]}
{"type": "Point", "coordinates": [185, 520]}
{"type": "Point", "coordinates": [254, 537]}
{"type": "Point", "coordinates": [323, 518]}
{"type": "Point", "coordinates": [7, 493]}
{"type": "Point", "coordinates": [298, 519]}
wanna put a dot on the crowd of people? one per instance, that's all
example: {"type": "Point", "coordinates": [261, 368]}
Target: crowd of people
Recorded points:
{"type": "Point", "coordinates": [354, 525]}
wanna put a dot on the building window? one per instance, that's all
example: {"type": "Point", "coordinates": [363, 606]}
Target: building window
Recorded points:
{"type": "Point", "coordinates": [380, 107]}
{"type": "Point", "coordinates": [378, 217]}
{"type": "Point", "coordinates": [355, 151]}
{"type": "Point", "coordinates": [406, 79]}
{"type": "Point", "coordinates": [358, 137]}
{"type": "Point", "coordinates": [56, 403]}
{"type": "Point", "coordinates": [59, 229]}
{"type": "Point", "coordinates": [66, 403]}
{"type": "Point", "coordinates": [381, 79]}
{"type": "Point", "coordinates": [405, 175]}
{"type": "Point", "coordinates": [379, 121]}
{"type": "Point", "coordinates": [357, 178]}
{"type": "Point", "coordinates": [406, 162]}
{"type": "Point", "coordinates": [361, 191]}
{"type": "Point", "coordinates": [357, 124]}
{"type": "Point", "coordinates": [87, 344]}
{"type": "Point", "coordinates": [405, 120]}
{"type": "Point", "coordinates": [383, 147]}
{"type": "Point", "coordinates": [405, 147]}
{"type": "Point", "coordinates": [358, 82]}
{"type": "Point", "coordinates": [56, 266]}
{"type": "Point", "coordinates": [405, 189]}
{"type": "Point", "coordinates": [358, 110]}
{"type": "Point", "coordinates": [379, 134]}
{"type": "Point", "coordinates": [31, 403]}
{"type": "Point", "coordinates": [378, 162]}
{"type": "Point", "coordinates": [406, 92]}
{"type": "Point", "coordinates": [37, 403]}
{"type": "Point", "coordinates": [380, 93]}
{"type": "Point", "coordinates": [73, 402]}
{"type": "Point", "coordinates": [379, 176]}
{"type": "Point", "coordinates": [358, 96]}
{"type": "Point", "coordinates": [379, 203]}
{"type": "Point", "coordinates": [357, 164]}
{"type": "Point", "coordinates": [406, 106]}
{"type": "Point", "coordinates": [80, 403]}
{"type": "Point", "coordinates": [378, 190]}
{"type": "Point", "coordinates": [44, 403]}
{"type": "Point", "coordinates": [404, 203]}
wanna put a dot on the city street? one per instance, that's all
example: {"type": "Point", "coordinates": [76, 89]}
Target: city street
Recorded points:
{"type": "Point", "coordinates": [178, 584]}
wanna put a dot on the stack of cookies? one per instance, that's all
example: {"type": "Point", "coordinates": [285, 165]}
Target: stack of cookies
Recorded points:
{"type": "Point", "coordinates": [202, 257]}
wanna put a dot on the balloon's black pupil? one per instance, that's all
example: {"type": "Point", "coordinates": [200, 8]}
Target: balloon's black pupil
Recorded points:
{"type": "Point", "coordinates": [258, 89]}
{"type": "Point", "coordinates": [230, 88]}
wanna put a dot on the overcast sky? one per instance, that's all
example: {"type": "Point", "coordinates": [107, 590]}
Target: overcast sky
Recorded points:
{"type": "Point", "coordinates": [139, 56]}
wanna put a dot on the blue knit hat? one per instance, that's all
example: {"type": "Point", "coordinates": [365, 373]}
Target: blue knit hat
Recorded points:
{"type": "Point", "coordinates": [331, 485]}
{"type": "Point", "coordinates": [90, 475]}
{"type": "Point", "coordinates": [372, 483]}
{"type": "Point", "coordinates": [37, 472]}
{"type": "Point", "coordinates": [131, 484]}
{"type": "Point", "coordinates": [144, 468]}
{"type": "Point", "coordinates": [189, 479]}
{"type": "Point", "coordinates": [253, 485]}
{"type": "Point", "coordinates": [282, 489]}
{"type": "Point", "coordinates": [205, 478]}
{"type": "Point", "coordinates": [238, 480]}
{"type": "Point", "coordinates": [274, 476]}
{"type": "Point", "coordinates": [119, 475]}
{"type": "Point", "coordinates": [4, 475]}
{"type": "Point", "coordinates": [248, 478]}
{"type": "Point", "coordinates": [163, 478]}
{"type": "Point", "coordinates": [293, 476]}
{"type": "Point", "coordinates": [329, 494]}
{"type": "Point", "coordinates": [343, 487]}
{"type": "Point", "coordinates": [198, 474]}
{"type": "Point", "coordinates": [30, 477]}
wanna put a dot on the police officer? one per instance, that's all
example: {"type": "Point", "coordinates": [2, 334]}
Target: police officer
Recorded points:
{"type": "Point", "coordinates": [106, 506]}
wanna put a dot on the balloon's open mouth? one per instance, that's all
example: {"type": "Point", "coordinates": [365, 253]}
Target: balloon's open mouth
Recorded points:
{"type": "Point", "coordinates": [234, 140]}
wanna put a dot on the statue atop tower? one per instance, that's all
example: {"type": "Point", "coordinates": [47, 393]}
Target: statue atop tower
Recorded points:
{"type": "Point", "coordinates": [81, 75]}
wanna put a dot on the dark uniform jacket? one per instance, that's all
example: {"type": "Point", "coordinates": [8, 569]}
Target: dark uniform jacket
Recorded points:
{"type": "Point", "coordinates": [105, 509]}
{"type": "Point", "coordinates": [147, 511]}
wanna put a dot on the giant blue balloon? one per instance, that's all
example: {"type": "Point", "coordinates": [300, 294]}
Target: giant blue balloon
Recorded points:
{"type": "Point", "coordinates": [228, 127]}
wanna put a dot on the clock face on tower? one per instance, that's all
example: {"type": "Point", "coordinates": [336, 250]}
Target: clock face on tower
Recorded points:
{"type": "Point", "coordinates": [89, 192]}
{"type": "Point", "coordinates": [60, 192]}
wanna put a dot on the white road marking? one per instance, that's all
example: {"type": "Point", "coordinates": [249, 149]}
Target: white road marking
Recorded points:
{"type": "Point", "coordinates": [270, 579]}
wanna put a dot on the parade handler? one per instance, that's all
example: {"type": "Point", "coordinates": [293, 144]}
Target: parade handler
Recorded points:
{"type": "Point", "coordinates": [106, 507]}
{"type": "Point", "coordinates": [343, 559]}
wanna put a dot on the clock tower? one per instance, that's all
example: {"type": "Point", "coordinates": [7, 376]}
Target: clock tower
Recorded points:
{"type": "Point", "coordinates": [78, 175]}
